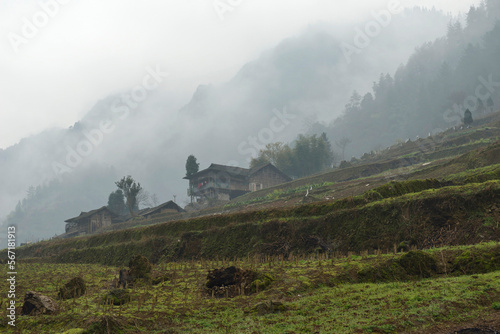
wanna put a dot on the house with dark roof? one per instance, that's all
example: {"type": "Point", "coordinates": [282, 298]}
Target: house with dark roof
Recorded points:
{"type": "Point", "coordinates": [226, 182]}
{"type": "Point", "coordinates": [168, 207]}
{"type": "Point", "coordinates": [90, 222]}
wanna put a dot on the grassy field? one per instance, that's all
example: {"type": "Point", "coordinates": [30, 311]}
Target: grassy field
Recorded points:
{"type": "Point", "coordinates": [312, 294]}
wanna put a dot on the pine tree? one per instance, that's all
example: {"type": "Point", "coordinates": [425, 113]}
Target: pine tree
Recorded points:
{"type": "Point", "coordinates": [192, 166]}
{"type": "Point", "coordinates": [468, 118]}
{"type": "Point", "coordinates": [116, 202]}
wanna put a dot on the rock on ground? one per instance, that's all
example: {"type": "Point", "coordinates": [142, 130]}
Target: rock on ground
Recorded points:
{"type": "Point", "coordinates": [36, 304]}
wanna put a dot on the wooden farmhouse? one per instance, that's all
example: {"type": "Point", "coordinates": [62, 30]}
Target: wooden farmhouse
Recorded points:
{"type": "Point", "coordinates": [90, 222]}
{"type": "Point", "coordinates": [265, 176]}
{"type": "Point", "coordinates": [168, 207]}
{"type": "Point", "coordinates": [225, 182]}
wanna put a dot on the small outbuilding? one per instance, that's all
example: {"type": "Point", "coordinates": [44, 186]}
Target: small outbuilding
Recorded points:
{"type": "Point", "coordinates": [168, 207]}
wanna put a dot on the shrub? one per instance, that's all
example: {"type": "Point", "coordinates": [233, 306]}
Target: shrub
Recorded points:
{"type": "Point", "coordinates": [418, 263]}
{"type": "Point", "coordinates": [73, 289]}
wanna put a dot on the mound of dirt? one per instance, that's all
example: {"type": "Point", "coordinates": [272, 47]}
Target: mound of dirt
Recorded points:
{"type": "Point", "coordinates": [116, 297]}
{"type": "Point", "coordinates": [230, 282]}
{"type": "Point", "coordinates": [476, 261]}
{"type": "Point", "coordinates": [73, 289]}
{"type": "Point", "coordinates": [418, 263]}
{"type": "Point", "coordinates": [140, 267]}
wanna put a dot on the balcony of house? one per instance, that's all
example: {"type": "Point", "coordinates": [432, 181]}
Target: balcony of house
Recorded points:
{"type": "Point", "coordinates": [201, 186]}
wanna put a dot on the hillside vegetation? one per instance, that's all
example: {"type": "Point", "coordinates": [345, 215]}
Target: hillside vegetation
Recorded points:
{"type": "Point", "coordinates": [404, 241]}
{"type": "Point", "coordinates": [373, 205]}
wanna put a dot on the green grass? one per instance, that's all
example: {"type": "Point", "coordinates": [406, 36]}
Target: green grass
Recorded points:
{"type": "Point", "coordinates": [278, 194]}
{"type": "Point", "coordinates": [314, 302]}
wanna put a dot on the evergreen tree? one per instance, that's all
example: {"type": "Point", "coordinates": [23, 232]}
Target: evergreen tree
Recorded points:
{"type": "Point", "coordinates": [455, 33]}
{"type": "Point", "coordinates": [192, 166]}
{"type": "Point", "coordinates": [116, 202]}
{"type": "Point", "coordinates": [468, 118]}
{"type": "Point", "coordinates": [354, 103]}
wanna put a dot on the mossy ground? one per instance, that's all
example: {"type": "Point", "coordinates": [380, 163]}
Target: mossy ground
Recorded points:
{"type": "Point", "coordinates": [313, 299]}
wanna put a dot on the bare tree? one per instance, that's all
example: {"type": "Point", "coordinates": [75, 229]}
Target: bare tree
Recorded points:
{"type": "Point", "coordinates": [145, 199]}
{"type": "Point", "coordinates": [342, 144]}
{"type": "Point", "coordinates": [154, 200]}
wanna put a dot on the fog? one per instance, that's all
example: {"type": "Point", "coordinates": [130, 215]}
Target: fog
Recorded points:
{"type": "Point", "coordinates": [93, 48]}
{"type": "Point", "coordinates": [205, 82]}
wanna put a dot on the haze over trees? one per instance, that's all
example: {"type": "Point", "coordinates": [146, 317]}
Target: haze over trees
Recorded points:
{"type": "Point", "coordinates": [41, 213]}
{"type": "Point", "coordinates": [431, 92]}
{"type": "Point", "coordinates": [307, 155]}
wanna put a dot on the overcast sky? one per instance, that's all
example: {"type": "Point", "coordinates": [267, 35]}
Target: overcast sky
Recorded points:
{"type": "Point", "coordinates": [85, 50]}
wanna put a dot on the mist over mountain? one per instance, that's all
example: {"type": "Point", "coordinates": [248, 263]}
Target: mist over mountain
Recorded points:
{"type": "Point", "coordinates": [303, 80]}
{"type": "Point", "coordinates": [312, 72]}
{"type": "Point", "coordinates": [431, 92]}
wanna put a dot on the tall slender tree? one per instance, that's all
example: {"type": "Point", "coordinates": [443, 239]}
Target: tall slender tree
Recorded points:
{"type": "Point", "coordinates": [192, 166]}
{"type": "Point", "coordinates": [342, 144]}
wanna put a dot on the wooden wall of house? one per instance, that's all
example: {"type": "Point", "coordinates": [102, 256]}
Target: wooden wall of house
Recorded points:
{"type": "Point", "coordinates": [221, 180]}
{"type": "Point", "coordinates": [238, 184]}
{"type": "Point", "coordinates": [99, 221]}
{"type": "Point", "coordinates": [268, 177]}
{"type": "Point", "coordinates": [89, 224]}
{"type": "Point", "coordinates": [223, 196]}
